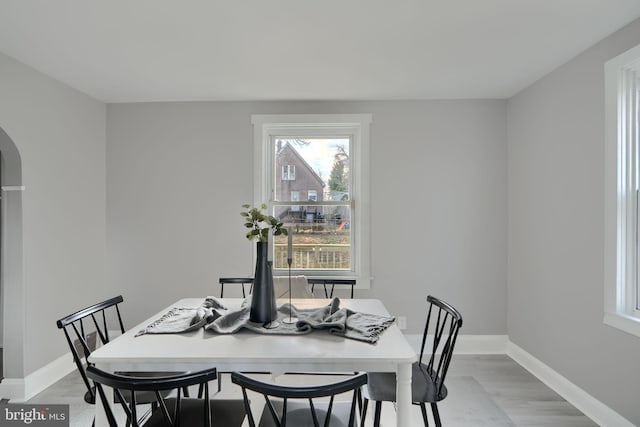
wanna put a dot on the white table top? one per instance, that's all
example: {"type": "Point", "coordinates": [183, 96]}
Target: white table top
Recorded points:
{"type": "Point", "coordinates": [317, 351]}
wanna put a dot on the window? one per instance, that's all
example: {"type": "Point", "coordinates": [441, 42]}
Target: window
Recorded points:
{"type": "Point", "coordinates": [295, 196]}
{"type": "Point", "coordinates": [330, 156]}
{"type": "Point", "coordinates": [622, 185]}
{"type": "Point", "coordinates": [288, 172]}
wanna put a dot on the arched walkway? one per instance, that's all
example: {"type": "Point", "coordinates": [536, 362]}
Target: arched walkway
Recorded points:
{"type": "Point", "coordinates": [11, 280]}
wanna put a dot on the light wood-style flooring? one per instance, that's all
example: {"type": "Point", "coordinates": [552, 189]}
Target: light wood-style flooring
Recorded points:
{"type": "Point", "coordinates": [484, 390]}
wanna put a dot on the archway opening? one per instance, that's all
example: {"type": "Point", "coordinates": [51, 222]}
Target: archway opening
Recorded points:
{"type": "Point", "coordinates": [11, 263]}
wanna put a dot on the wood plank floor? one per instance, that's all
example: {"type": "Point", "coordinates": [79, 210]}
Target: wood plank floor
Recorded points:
{"type": "Point", "coordinates": [484, 390]}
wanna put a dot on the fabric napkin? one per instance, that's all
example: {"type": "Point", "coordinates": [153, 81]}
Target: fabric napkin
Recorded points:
{"type": "Point", "coordinates": [340, 321]}
{"type": "Point", "coordinates": [183, 319]}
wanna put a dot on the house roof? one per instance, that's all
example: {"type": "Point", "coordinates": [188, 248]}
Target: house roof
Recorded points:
{"type": "Point", "coordinates": [290, 149]}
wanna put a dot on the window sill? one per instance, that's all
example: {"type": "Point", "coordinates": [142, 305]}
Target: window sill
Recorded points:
{"type": "Point", "coordinates": [628, 324]}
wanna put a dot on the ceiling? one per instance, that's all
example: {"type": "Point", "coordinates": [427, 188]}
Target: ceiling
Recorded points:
{"type": "Point", "coordinates": [183, 50]}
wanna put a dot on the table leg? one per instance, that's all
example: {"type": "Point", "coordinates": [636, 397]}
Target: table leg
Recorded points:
{"type": "Point", "coordinates": [403, 394]}
{"type": "Point", "coordinates": [101, 415]}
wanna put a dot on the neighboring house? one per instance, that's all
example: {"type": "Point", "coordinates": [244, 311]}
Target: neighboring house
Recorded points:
{"type": "Point", "coordinates": [297, 181]}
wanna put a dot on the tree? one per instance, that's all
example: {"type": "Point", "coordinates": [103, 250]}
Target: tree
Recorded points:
{"type": "Point", "coordinates": [339, 177]}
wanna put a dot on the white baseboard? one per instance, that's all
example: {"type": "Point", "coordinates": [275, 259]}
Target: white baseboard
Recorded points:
{"type": "Point", "coordinates": [600, 413]}
{"type": "Point", "coordinates": [20, 390]}
{"type": "Point", "coordinates": [12, 389]}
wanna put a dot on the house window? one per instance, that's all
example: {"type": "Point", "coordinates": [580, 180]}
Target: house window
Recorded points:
{"type": "Point", "coordinates": [330, 227]}
{"type": "Point", "coordinates": [295, 196]}
{"type": "Point", "coordinates": [622, 185]}
{"type": "Point", "coordinates": [288, 172]}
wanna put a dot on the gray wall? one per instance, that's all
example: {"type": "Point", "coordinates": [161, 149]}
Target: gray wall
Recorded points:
{"type": "Point", "coordinates": [178, 173]}
{"type": "Point", "coordinates": [556, 220]}
{"type": "Point", "coordinates": [60, 134]}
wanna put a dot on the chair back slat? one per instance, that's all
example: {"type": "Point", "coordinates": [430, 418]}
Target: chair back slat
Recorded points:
{"type": "Point", "coordinates": [77, 359]}
{"type": "Point", "coordinates": [247, 408]}
{"type": "Point", "coordinates": [105, 403]}
{"type": "Point", "coordinates": [132, 406]}
{"type": "Point", "coordinates": [271, 391]}
{"type": "Point", "coordinates": [327, 418]}
{"type": "Point", "coordinates": [163, 407]}
{"type": "Point", "coordinates": [274, 414]}
{"type": "Point", "coordinates": [352, 414]}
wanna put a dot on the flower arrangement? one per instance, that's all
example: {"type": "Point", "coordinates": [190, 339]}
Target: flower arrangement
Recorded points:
{"type": "Point", "coordinates": [259, 223]}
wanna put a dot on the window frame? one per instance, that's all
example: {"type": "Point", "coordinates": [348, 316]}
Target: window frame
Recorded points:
{"type": "Point", "coordinates": [357, 127]}
{"type": "Point", "coordinates": [622, 181]}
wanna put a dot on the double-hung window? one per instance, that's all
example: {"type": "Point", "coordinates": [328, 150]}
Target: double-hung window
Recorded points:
{"type": "Point", "coordinates": [622, 185]}
{"type": "Point", "coordinates": [288, 172]}
{"type": "Point", "coordinates": [312, 172]}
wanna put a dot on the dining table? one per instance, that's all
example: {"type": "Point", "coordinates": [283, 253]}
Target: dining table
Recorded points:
{"type": "Point", "coordinates": [317, 351]}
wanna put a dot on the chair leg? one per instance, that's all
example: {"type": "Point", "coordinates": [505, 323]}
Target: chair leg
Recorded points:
{"type": "Point", "coordinates": [436, 414]}
{"type": "Point", "coordinates": [363, 411]}
{"type": "Point", "coordinates": [423, 408]}
{"type": "Point", "coordinates": [376, 415]}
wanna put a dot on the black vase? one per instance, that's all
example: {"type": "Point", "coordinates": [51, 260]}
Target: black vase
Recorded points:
{"type": "Point", "coordinates": [263, 300]}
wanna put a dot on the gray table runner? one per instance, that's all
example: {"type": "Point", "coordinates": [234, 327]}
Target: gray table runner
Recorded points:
{"type": "Point", "coordinates": [215, 317]}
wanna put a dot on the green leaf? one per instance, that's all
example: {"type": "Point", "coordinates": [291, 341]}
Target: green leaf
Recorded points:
{"type": "Point", "coordinates": [246, 206]}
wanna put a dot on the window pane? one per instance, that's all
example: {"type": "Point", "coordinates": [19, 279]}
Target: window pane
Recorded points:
{"type": "Point", "coordinates": [310, 171]}
{"type": "Point", "coordinates": [321, 237]}
{"type": "Point", "coordinates": [318, 168]}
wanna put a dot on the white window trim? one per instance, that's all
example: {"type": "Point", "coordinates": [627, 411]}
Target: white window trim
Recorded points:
{"type": "Point", "coordinates": [265, 127]}
{"type": "Point", "coordinates": [289, 176]}
{"type": "Point", "coordinates": [621, 127]}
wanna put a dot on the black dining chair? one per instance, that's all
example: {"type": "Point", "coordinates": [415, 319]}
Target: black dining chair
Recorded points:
{"type": "Point", "coordinates": [83, 329]}
{"type": "Point", "coordinates": [242, 281]}
{"type": "Point", "coordinates": [329, 285]}
{"type": "Point", "coordinates": [298, 406]}
{"type": "Point", "coordinates": [429, 372]}
{"type": "Point", "coordinates": [174, 411]}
